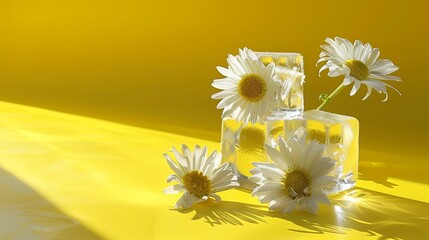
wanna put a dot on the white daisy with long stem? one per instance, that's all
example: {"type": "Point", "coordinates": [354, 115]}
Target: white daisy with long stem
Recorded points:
{"type": "Point", "coordinates": [297, 177]}
{"type": "Point", "coordinates": [199, 177]}
{"type": "Point", "coordinates": [359, 64]}
{"type": "Point", "coordinates": [248, 89]}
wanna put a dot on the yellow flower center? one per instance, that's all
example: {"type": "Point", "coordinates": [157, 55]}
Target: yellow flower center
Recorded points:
{"type": "Point", "coordinates": [252, 137]}
{"type": "Point", "coordinates": [298, 181]}
{"type": "Point", "coordinates": [197, 183]}
{"type": "Point", "coordinates": [251, 147]}
{"type": "Point", "coordinates": [252, 88]}
{"type": "Point", "coordinates": [276, 132]}
{"type": "Point", "coordinates": [358, 69]}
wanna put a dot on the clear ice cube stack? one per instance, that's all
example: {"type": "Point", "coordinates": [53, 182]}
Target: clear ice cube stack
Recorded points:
{"type": "Point", "coordinates": [242, 143]}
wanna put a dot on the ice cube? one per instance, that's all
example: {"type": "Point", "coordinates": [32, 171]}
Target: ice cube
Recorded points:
{"type": "Point", "coordinates": [340, 133]}
{"type": "Point", "coordinates": [243, 144]}
{"type": "Point", "coordinates": [289, 71]}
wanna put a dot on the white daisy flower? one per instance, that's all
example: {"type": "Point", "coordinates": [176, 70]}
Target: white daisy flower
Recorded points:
{"type": "Point", "coordinates": [248, 89]}
{"type": "Point", "coordinates": [359, 64]}
{"type": "Point", "coordinates": [296, 178]}
{"type": "Point", "coordinates": [198, 176]}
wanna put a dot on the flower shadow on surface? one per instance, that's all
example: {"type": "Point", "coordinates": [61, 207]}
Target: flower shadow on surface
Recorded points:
{"type": "Point", "coordinates": [227, 212]}
{"type": "Point", "coordinates": [369, 212]}
{"type": "Point", "coordinates": [375, 214]}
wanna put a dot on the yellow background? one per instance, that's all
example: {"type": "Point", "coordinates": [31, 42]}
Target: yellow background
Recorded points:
{"type": "Point", "coordinates": [150, 64]}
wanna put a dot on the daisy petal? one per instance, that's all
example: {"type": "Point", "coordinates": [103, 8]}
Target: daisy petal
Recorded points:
{"type": "Point", "coordinates": [322, 181]}
{"type": "Point", "coordinates": [311, 205]}
{"type": "Point", "coordinates": [348, 80]}
{"type": "Point", "coordinates": [321, 197]}
{"type": "Point", "coordinates": [372, 57]}
{"type": "Point", "coordinates": [174, 177]}
{"type": "Point", "coordinates": [173, 166]}
{"type": "Point", "coordinates": [186, 201]}
{"type": "Point", "coordinates": [225, 71]}
{"type": "Point", "coordinates": [355, 88]}
{"type": "Point", "coordinates": [368, 93]}
{"type": "Point", "coordinates": [174, 189]}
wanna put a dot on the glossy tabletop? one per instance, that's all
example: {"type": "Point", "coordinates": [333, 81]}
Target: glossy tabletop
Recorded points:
{"type": "Point", "coordinates": [64, 176]}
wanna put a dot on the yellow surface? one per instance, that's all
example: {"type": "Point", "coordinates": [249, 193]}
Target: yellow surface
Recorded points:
{"type": "Point", "coordinates": [69, 177]}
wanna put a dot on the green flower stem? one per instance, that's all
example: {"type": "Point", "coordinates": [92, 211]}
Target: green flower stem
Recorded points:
{"type": "Point", "coordinates": [331, 96]}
